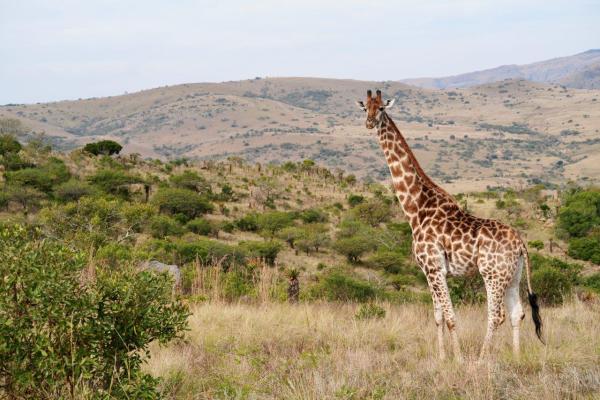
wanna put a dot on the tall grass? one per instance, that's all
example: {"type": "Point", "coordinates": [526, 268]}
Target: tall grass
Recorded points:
{"type": "Point", "coordinates": [321, 351]}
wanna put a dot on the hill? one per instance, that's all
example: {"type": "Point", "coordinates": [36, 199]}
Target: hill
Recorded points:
{"type": "Point", "coordinates": [509, 132]}
{"type": "Point", "coordinates": [580, 71]}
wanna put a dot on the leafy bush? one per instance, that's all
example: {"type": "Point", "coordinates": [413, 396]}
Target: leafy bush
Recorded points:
{"type": "Point", "coordinates": [114, 253]}
{"type": "Point", "coordinates": [162, 226]}
{"type": "Point", "coordinates": [372, 212]}
{"type": "Point", "coordinates": [267, 251]}
{"type": "Point", "coordinates": [8, 144]}
{"type": "Point", "coordinates": [353, 247]}
{"type": "Point", "coordinates": [579, 214]}
{"type": "Point", "coordinates": [551, 285]}
{"type": "Point", "coordinates": [72, 190]}
{"type": "Point", "coordinates": [467, 289]}
{"type": "Point", "coordinates": [355, 199]}
{"type": "Point", "coordinates": [370, 311]}
{"type": "Point", "coordinates": [114, 181]}
{"type": "Point", "coordinates": [63, 337]}
{"type": "Point", "coordinates": [41, 178]}
{"type": "Point", "coordinates": [203, 227]}
{"type": "Point", "coordinates": [536, 244]}
{"type": "Point", "coordinates": [593, 282]}
{"type": "Point", "coordinates": [313, 215]}
{"type": "Point", "coordinates": [105, 147]}
{"type": "Point", "coordinates": [585, 248]}
{"type": "Point", "coordinates": [248, 222]}
{"type": "Point", "coordinates": [184, 204]}
{"type": "Point", "coordinates": [192, 181]}
{"type": "Point", "coordinates": [270, 223]}
{"type": "Point", "coordinates": [208, 251]}
{"type": "Point", "coordinates": [337, 286]}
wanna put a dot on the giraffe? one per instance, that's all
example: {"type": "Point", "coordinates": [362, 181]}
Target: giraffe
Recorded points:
{"type": "Point", "coordinates": [449, 241]}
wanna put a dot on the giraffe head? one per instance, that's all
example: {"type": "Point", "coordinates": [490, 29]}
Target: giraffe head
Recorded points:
{"type": "Point", "coordinates": [374, 107]}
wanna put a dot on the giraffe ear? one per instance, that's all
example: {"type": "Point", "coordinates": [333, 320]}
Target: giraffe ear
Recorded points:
{"type": "Point", "coordinates": [390, 103]}
{"type": "Point", "coordinates": [361, 105]}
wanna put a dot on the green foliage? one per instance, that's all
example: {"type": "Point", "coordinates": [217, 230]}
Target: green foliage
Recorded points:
{"type": "Point", "coordinates": [267, 251]}
{"type": "Point", "coordinates": [536, 244]}
{"type": "Point", "coordinates": [184, 204]}
{"type": "Point", "coordinates": [248, 222]}
{"type": "Point", "coordinates": [8, 144]}
{"type": "Point", "coordinates": [104, 147]}
{"type": "Point", "coordinates": [114, 254]}
{"type": "Point", "coordinates": [593, 282]}
{"type": "Point", "coordinates": [370, 311]}
{"type": "Point", "coordinates": [206, 251]}
{"type": "Point", "coordinates": [313, 215]}
{"type": "Point", "coordinates": [72, 190]}
{"type": "Point", "coordinates": [270, 223]}
{"type": "Point", "coordinates": [372, 212]}
{"type": "Point", "coordinates": [579, 214]}
{"type": "Point", "coordinates": [467, 289]}
{"type": "Point", "coordinates": [190, 180]}
{"type": "Point", "coordinates": [41, 178]}
{"type": "Point", "coordinates": [551, 285]}
{"type": "Point", "coordinates": [162, 226]}
{"type": "Point", "coordinates": [336, 285]}
{"type": "Point", "coordinates": [586, 248]}
{"type": "Point", "coordinates": [202, 226]}
{"type": "Point", "coordinates": [114, 181]}
{"type": "Point", "coordinates": [552, 278]}
{"type": "Point", "coordinates": [355, 199]}
{"type": "Point", "coordinates": [354, 239]}
{"type": "Point", "coordinates": [312, 237]}
{"type": "Point", "coordinates": [27, 197]}
{"type": "Point", "coordinates": [61, 337]}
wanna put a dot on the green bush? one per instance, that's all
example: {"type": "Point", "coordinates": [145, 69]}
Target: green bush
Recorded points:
{"type": "Point", "coordinates": [41, 178]}
{"type": "Point", "coordinates": [267, 251]}
{"type": "Point", "coordinates": [467, 289]}
{"type": "Point", "coordinates": [203, 227]}
{"type": "Point", "coordinates": [536, 244]}
{"type": "Point", "coordinates": [104, 147]}
{"type": "Point", "coordinates": [61, 337]}
{"type": "Point", "coordinates": [372, 212]}
{"type": "Point", "coordinates": [209, 251]}
{"type": "Point", "coordinates": [593, 282]}
{"type": "Point", "coordinates": [370, 311]}
{"type": "Point", "coordinates": [248, 222]}
{"type": "Point", "coordinates": [579, 214]}
{"type": "Point", "coordinates": [313, 215]}
{"type": "Point", "coordinates": [190, 180]}
{"type": "Point", "coordinates": [270, 223]}
{"type": "Point", "coordinates": [551, 285]}
{"type": "Point", "coordinates": [355, 199]}
{"type": "Point", "coordinates": [114, 253]}
{"type": "Point", "coordinates": [8, 144]}
{"type": "Point", "coordinates": [162, 226]}
{"type": "Point", "coordinates": [72, 190]}
{"type": "Point", "coordinates": [338, 286]}
{"type": "Point", "coordinates": [585, 248]}
{"type": "Point", "coordinates": [184, 204]}
{"type": "Point", "coordinates": [114, 181]}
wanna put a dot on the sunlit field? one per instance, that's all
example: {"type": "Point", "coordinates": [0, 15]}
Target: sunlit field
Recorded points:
{"type": "Point", "coordinates": [322, 351]}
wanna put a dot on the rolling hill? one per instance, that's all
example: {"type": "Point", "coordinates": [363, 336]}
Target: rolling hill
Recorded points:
{"type": "Point", "coordinates": [580, 71]}
{"type": "Point", "coordinates": [504, 133]}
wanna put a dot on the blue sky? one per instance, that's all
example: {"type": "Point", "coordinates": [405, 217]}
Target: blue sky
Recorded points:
{"type": "Point", "coordinates": [67, 49]}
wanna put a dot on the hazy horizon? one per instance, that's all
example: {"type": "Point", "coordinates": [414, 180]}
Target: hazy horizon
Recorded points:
{"type": "Point", "coordinates": [70, 50]}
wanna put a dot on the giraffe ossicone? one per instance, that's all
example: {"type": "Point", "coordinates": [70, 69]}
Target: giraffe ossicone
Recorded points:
{"type": "Point", "coordinates": [450, 241]}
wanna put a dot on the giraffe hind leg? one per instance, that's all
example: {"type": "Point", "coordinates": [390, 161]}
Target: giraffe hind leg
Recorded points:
{"type": "Point", "coordinates": [496, 291]}
{"type": "Point", "coordinates": [514, 307]}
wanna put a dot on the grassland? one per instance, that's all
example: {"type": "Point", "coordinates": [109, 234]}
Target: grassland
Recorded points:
{"type": "Point", "coordinates": [321, 351]}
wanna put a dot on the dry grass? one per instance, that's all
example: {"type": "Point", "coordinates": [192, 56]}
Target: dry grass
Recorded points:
{"type": "Point", "coordinates": [320, 351]}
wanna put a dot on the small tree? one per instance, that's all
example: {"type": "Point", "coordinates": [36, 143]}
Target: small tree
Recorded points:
{"type": "Point", "coordinates": [104, 147]}
{"type": "Point", "coordinates": [182, 203]}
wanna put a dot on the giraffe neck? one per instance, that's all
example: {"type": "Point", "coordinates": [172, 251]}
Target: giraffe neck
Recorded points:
{"type": "Point", "coordinates": [412, 185]}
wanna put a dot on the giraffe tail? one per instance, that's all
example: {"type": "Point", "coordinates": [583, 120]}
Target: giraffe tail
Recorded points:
{"type": "Point", "coordinates": [533, 300]}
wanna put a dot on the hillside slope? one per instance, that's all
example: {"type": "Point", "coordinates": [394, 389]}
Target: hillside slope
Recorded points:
{"type": "Point", "coordinates": [580, 71]}
{"type": "Point", "coordinates": [490, 135]}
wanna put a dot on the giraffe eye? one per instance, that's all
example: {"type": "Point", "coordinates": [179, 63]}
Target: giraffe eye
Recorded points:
{"type": "Point", "coordinates": [381, 108]}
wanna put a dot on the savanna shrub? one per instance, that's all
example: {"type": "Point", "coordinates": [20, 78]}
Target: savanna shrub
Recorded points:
{"type": "Point", "coordinates": [586, 248]}
{"type": "Point", "coordinates": [72, 190]}
{"type": "Point", "coordinates": [551, 285]}
{"type": "Point", "coordinates": [105, 147]}
{"type": "Point", "coordinates": [267, 251]}
{"type": "Point", "coordinates": [162, 226]}
{"type": "Point", "coordinates": [338, 286]}
{"type": "Point", "coordinates": [61, 336]}
{"type": "Point", "coordinates": [182, 203]}
{"type": "Point", "coordinates": [203, 227]}
{"type": "Point", "coordinates": [370, 311]}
